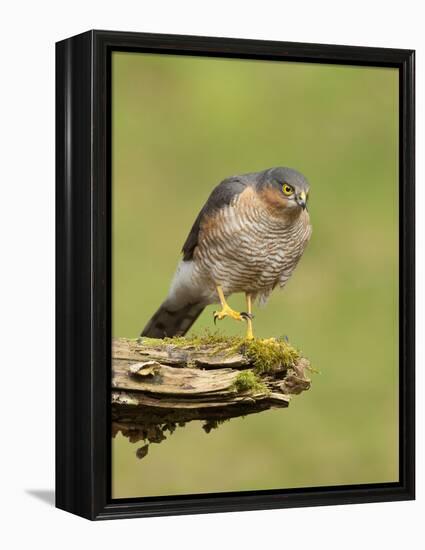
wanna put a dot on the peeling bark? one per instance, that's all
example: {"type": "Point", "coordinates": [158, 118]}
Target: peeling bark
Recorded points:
{"type": "Point", "coordinates": [156, 388]}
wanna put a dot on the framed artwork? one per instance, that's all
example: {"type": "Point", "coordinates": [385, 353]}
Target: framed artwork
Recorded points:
{"type": "Point", "coordinates": [235, 274]}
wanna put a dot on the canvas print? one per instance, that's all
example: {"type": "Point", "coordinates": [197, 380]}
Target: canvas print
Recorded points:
{"type": "Point", "coordinates": [254, 275]}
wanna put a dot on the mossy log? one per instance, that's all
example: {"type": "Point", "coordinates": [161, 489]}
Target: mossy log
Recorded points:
{"type": "Point", "coordinates": [160, 384]}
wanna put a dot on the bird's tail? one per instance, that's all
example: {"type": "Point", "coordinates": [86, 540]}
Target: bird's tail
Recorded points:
{"type": "Point", "coordinates": [168, 321]}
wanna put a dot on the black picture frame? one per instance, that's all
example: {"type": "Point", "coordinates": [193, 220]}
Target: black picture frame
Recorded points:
{"type": "Point", "coordinates": [83, 274]}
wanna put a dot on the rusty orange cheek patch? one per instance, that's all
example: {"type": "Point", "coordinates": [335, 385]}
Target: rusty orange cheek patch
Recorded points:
{"type": "Point", "coordinates": [273, 199]}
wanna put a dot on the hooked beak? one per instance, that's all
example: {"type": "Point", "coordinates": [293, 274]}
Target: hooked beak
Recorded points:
{"type": "Point", "coordinates": [302, 199]}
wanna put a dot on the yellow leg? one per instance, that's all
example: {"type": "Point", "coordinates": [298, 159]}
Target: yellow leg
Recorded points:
{"type": "Point", "coordinates": [249, 331]}
{"type": "Point", "coordinates": [226, 310]}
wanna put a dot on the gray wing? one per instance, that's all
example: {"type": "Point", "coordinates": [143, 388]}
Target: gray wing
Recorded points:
{"type": "Point", "coordinates": [221, 196]}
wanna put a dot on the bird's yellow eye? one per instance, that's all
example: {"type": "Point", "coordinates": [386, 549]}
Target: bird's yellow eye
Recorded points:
{"type": "Point", "coordinates": [287, 189]}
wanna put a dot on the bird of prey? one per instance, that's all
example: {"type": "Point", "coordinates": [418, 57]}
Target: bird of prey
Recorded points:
{"type": "Point", "coordinates": [248, 237]}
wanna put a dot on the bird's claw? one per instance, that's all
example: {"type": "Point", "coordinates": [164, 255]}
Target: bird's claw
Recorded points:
{"type": "Point", "coordinates": [246, 315]}
{"type": "Point", "coordinates": [228, 312]}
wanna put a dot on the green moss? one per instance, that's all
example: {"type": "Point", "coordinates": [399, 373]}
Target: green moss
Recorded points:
{"type": "Point", "coordinates": [266, 355]}
{"type": "Point", "coordinates": [270, 354]}
{"type": "Point", "coordinates": [196, 341]}
{"type": "Point", "coordinates": [246, 381]}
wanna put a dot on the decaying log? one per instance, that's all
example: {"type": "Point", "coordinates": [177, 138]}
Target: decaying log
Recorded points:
{"type": "Point", "coordinates": [157, 386]}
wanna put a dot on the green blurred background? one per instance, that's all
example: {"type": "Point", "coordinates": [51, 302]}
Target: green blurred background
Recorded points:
{"type": "Point", "coordinates": [181, 125]}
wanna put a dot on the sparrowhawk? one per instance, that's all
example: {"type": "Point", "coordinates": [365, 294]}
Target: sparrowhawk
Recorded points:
{"type": "Point", "coordinates": [248, 237]}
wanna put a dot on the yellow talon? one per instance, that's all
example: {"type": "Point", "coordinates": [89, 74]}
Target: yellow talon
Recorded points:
{"type": "Point", "coordinates": [227, 311]}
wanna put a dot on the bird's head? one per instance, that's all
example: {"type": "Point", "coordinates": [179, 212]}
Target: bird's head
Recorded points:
{"type": "Point", "coordinates": [284, 188]}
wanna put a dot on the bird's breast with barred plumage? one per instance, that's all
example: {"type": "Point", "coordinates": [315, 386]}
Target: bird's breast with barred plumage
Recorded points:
{"type": "Point", "coordinates": [247, 246]}
{"type": "Point", "coordinates": [248, 237]}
